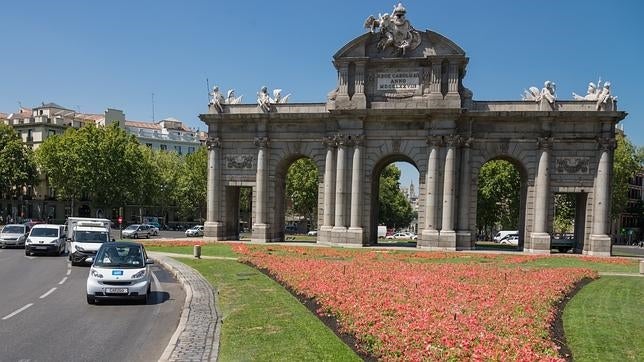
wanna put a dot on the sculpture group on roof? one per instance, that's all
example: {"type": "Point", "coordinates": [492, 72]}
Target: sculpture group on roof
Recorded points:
{"type": "Point", "coordinates": [603, 97]}
{"type": "Point", "coordinates": [217, 100]}
{"type": "Point", "coordinates": [264, 100]}
{"type": "Point", "coordinates": [394, 30]}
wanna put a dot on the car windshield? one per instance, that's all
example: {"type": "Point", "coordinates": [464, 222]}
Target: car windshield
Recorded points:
{"type": "Point", "coordinates": [91, 236]}
{"type": "Point", "coordinates": [121, 256]}
{"type": "Point", "coordinates": [13, 229]}
{"type": "Point", "coordinates": [132, 227]}
{"type": "Point", "coordinates": [45, 232]}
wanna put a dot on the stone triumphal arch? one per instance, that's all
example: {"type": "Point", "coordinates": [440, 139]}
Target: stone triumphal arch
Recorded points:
{"type": "Point", "coordinates": [400, 96]}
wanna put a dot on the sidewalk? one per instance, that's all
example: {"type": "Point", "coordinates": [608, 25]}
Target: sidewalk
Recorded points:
{"type": "Point", "coordinates": [197, 335]}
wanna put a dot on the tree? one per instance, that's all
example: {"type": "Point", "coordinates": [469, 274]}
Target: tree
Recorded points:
{"type": "Point", "coordinates": [626, 164]}
{"type": "Point", "coordinates": [192, 185]}
{"type": "Point", "coordinates": [302, 188]}
{"type": "Point", "coordinates": [498, 196]}
{"type": "Point", "coordinates": [394, 209]}
{"type": "Point", "coordinates": [102, 161]}
{"type": "Point", "coordinates": [17, 165]}
{"type": "Point", "coordinates": [564, 212]}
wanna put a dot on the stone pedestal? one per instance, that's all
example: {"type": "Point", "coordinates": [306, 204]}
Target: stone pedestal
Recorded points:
{"type": "Point", "coordinates": [600, 245]}
{"type": "Point", "coordinates": [447, 240]}
{"type": "Point", "coordinates": [355, 236]}
{"type": "Point", "coordinates": [464, 240]}
{"type": "Point", "coordinates": [213, 229]}
{"type": "Point", "coordinates": [539, 243]}
{"type": "Point", "coordinates": [338, 235]}
{"type": "Point", "coordinates": [428, 239]}
{"type": "Point", "coordinates": [261, 233]}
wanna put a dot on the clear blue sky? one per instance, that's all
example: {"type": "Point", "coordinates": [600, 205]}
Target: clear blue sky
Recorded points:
{"type": "Point", "coordinates": [90, 55]}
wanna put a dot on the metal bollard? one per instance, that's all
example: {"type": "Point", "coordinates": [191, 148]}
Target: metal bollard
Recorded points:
{"type": "Point", "coordinates": [196, 251]}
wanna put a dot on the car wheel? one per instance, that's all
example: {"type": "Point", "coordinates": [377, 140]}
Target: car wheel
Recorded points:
{"type": "Point", "coordinates": [91, 299]}
{"type": "Point", "coordinates": [147, 236]}
{"type": "Point", "coordinates": [27, 253]}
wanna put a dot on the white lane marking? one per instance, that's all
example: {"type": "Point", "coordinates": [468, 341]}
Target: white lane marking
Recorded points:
{"type": "Point", "coordinates": [69, 271]}
{"type": "Point", "coordinates": [30, 257]}
{"type": "Point", "coordinates": [49, 292]}
{"type": "Point", "coordinates": [62, 281]}
{"type": "Point", "coordinates": [16, 312]}
{"type": "Point", "coordinates": [157, 284]}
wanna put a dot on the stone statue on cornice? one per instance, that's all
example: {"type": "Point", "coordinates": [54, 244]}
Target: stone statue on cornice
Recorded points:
{"type": "Point", "coordinates": [395, 31]}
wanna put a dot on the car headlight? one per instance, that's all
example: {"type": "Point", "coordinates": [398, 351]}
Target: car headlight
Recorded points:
{"type": "Point", "coordinates": [28, 241]}
{"type": "Point", "coordinates": [139, 274]}
{"type": "Point", "coordinates": [79, 248]}
{"type": "Point", "coordinates": [95, 274]}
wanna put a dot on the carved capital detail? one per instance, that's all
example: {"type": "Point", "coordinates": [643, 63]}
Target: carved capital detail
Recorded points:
{"type": "Point", "coordinates": [544, 143]}
{"type": "Point", "coordinates": [261, 142]}
{"type": "Point", "coordinates": [358, 140]}
{"type": "Point", "coordinates": [453, 140]}
{"type": "Point", "coordinates": [329, 141]}
{"type": "Point", "coordinates": [467, 142]}
{"type": "Point", "coordinates": [436, 141]}
{"type": "Point", "coordinates": [606, 144]}
{"type": "Point", "coordinates": [341, 140]}
{"type": "Point", "coordinates": [212, 143]}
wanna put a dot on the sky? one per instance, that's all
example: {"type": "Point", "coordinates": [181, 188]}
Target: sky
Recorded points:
{"type": "Point", "coordinates": [140, 56]}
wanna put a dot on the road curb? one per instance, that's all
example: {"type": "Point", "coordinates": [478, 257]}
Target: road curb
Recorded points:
{"type": "Point", "coordinates": [197, 335]}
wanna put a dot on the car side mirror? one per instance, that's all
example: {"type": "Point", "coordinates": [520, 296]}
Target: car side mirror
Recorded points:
{"type": "Point", "coordinates": [149, 261]}
{"type": "Point", "coordinates": [89, 259]}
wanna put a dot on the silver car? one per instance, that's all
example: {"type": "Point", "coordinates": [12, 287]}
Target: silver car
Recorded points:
{"type": "Point", "coordinates": [136, 231]}
{"type": "Point", "coordinates": [13, 235]}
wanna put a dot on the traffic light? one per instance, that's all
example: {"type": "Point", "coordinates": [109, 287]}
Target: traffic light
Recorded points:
{"type": "Point", "coordinates": [120, 220]}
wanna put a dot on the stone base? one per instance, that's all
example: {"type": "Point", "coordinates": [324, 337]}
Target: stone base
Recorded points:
{"type": "Point", "coordinates": [338, 235]}
{"type": "Point", "coordinates": [355, 236]}
{"type": "Point", "coordinates": [464, 240]}
{"type": "Point", "coordinates": [447, 240]}
{"type": "Point", "coordinates": [428, 238]}
{"type": "Point", "coordinates": [261, 233]}
{"type": "Point", "coordinates": [324, 234]}
{"type": "Point", "coordinates": [600, 245]}
{"type": "Point", "coordinates": [539, 243]}
{"type": "Point", "coordinates": [214, 230]}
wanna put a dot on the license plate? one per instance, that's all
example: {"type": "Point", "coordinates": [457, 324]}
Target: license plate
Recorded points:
{"type": "Point", "coordinates": [117, 272]}
{"type": "Point", "coordinates": [41, 247]}
{"type": "Point", "coordinates": [116, 290]}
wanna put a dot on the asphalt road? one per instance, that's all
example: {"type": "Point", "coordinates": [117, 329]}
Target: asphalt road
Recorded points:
{"type": "Point", "coordinates": [44, 315]}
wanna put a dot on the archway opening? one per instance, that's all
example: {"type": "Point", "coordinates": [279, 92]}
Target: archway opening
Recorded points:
{"type": "Point", "coordinates": [297, 200]}
{"type": "Point", "coordinates": [568, 225]}
{"type": "Point", "coordinates": [500, 205]}
{"type": "Point", "coordinates": [395, 199]}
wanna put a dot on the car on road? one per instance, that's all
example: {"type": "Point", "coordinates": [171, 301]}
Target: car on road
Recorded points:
{"type": "Point", "coordinates": [512, 239]}
{"type": "Point", "coordinates": [13, 235]}
{"type": "Point", "coordinates": [154, 230]}
{"type": "Point", "coordinates": [46, 239]}
{"type": "Point", "coordinates": [137, 231]}
{"type": "Point", "coordinates": [402, 235]}
{"type": "Point", "coordinates": [312, 233]}
{"type": "Point", "coordinates": [120, 270]}
{"type": "Point", "coordinates": [196, 230]}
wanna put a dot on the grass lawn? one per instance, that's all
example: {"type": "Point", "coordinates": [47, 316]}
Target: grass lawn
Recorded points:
{"type": "Point", "coordinates": [222, 249]}
{"type": "Point", "coordinates": [604, 321]}
{"type": "Point", "coordinates": [263, 321]}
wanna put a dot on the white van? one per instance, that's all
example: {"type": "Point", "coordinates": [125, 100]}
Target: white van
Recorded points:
{"type": "Point", "coordinates": [45, 239]}
{"type": "Point", "coordinates": [502, 234]}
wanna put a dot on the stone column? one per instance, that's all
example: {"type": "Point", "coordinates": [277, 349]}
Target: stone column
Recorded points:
{"type": "Point", "coordinates": [213, 227]}
{"type": "Point", "coordinates": [339, 228]}
{"type": "Point", "coordinates": [355, 228]}
{"type": "Point", "coordinates": [464, 233]}
{"type": "Point", "coordinates": [600, 241]}
{"type": "Point", "coordinates": [329, 184]}
{"type": "Point", "coordinates": [260, 227]}
{"type": "Point", "coordinates": [429, 235]}
{"type": "Point", "coordinates": [539, 237]}
{"type": "Point", "coordinates": [447, 237]}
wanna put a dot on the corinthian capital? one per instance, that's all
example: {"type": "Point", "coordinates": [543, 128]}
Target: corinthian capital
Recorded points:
{"type": "Point", "coordinates": [329, 141]}
{"type": "Point", "coordinates": [436, 141]}
{"type": "Point", "coordinates": [212, 143]}
{"type": "Point", "coordinates": [453, 140]}
{"type": "Point", "coordinates": [261, 142]}
{"type": "Point", "coordinates": [544, 143]}
{"type": "Point", "coordinates": [606, 144]}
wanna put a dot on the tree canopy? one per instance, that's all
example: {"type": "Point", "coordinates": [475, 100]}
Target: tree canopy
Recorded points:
{"type": "Point", "coordinates": [17, 160]}
{"type": "Point", "coordinates": [302, 188]}
{"type": "Point", "coordinates": [498, 196]}
{"type": "Point", "coordinates": [394, 209]}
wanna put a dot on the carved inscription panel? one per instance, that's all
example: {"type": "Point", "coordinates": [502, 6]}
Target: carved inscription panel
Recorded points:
{"type": "Point", "coordinates": [239, 161]}
{"type": "Point", "coordinates": [572, 165]}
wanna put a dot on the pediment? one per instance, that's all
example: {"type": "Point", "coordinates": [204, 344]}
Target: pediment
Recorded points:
{"type": "Point", "coordinates": [431, 44]}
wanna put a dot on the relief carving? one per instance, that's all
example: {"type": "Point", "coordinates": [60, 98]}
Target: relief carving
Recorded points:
{"type": "Point", "coordinates": [239, 161]}
{"type": "Point", "coordinates": [572, 165]}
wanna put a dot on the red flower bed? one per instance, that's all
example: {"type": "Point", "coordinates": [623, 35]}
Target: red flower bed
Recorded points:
{"type": "Point", "coordinates": [405, 311]}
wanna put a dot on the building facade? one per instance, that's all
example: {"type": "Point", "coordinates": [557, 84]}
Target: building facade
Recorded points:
{"type": "Point", "coordinates": [400, 97]}
{"type": "Point", "coordinates": [40, 202]}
